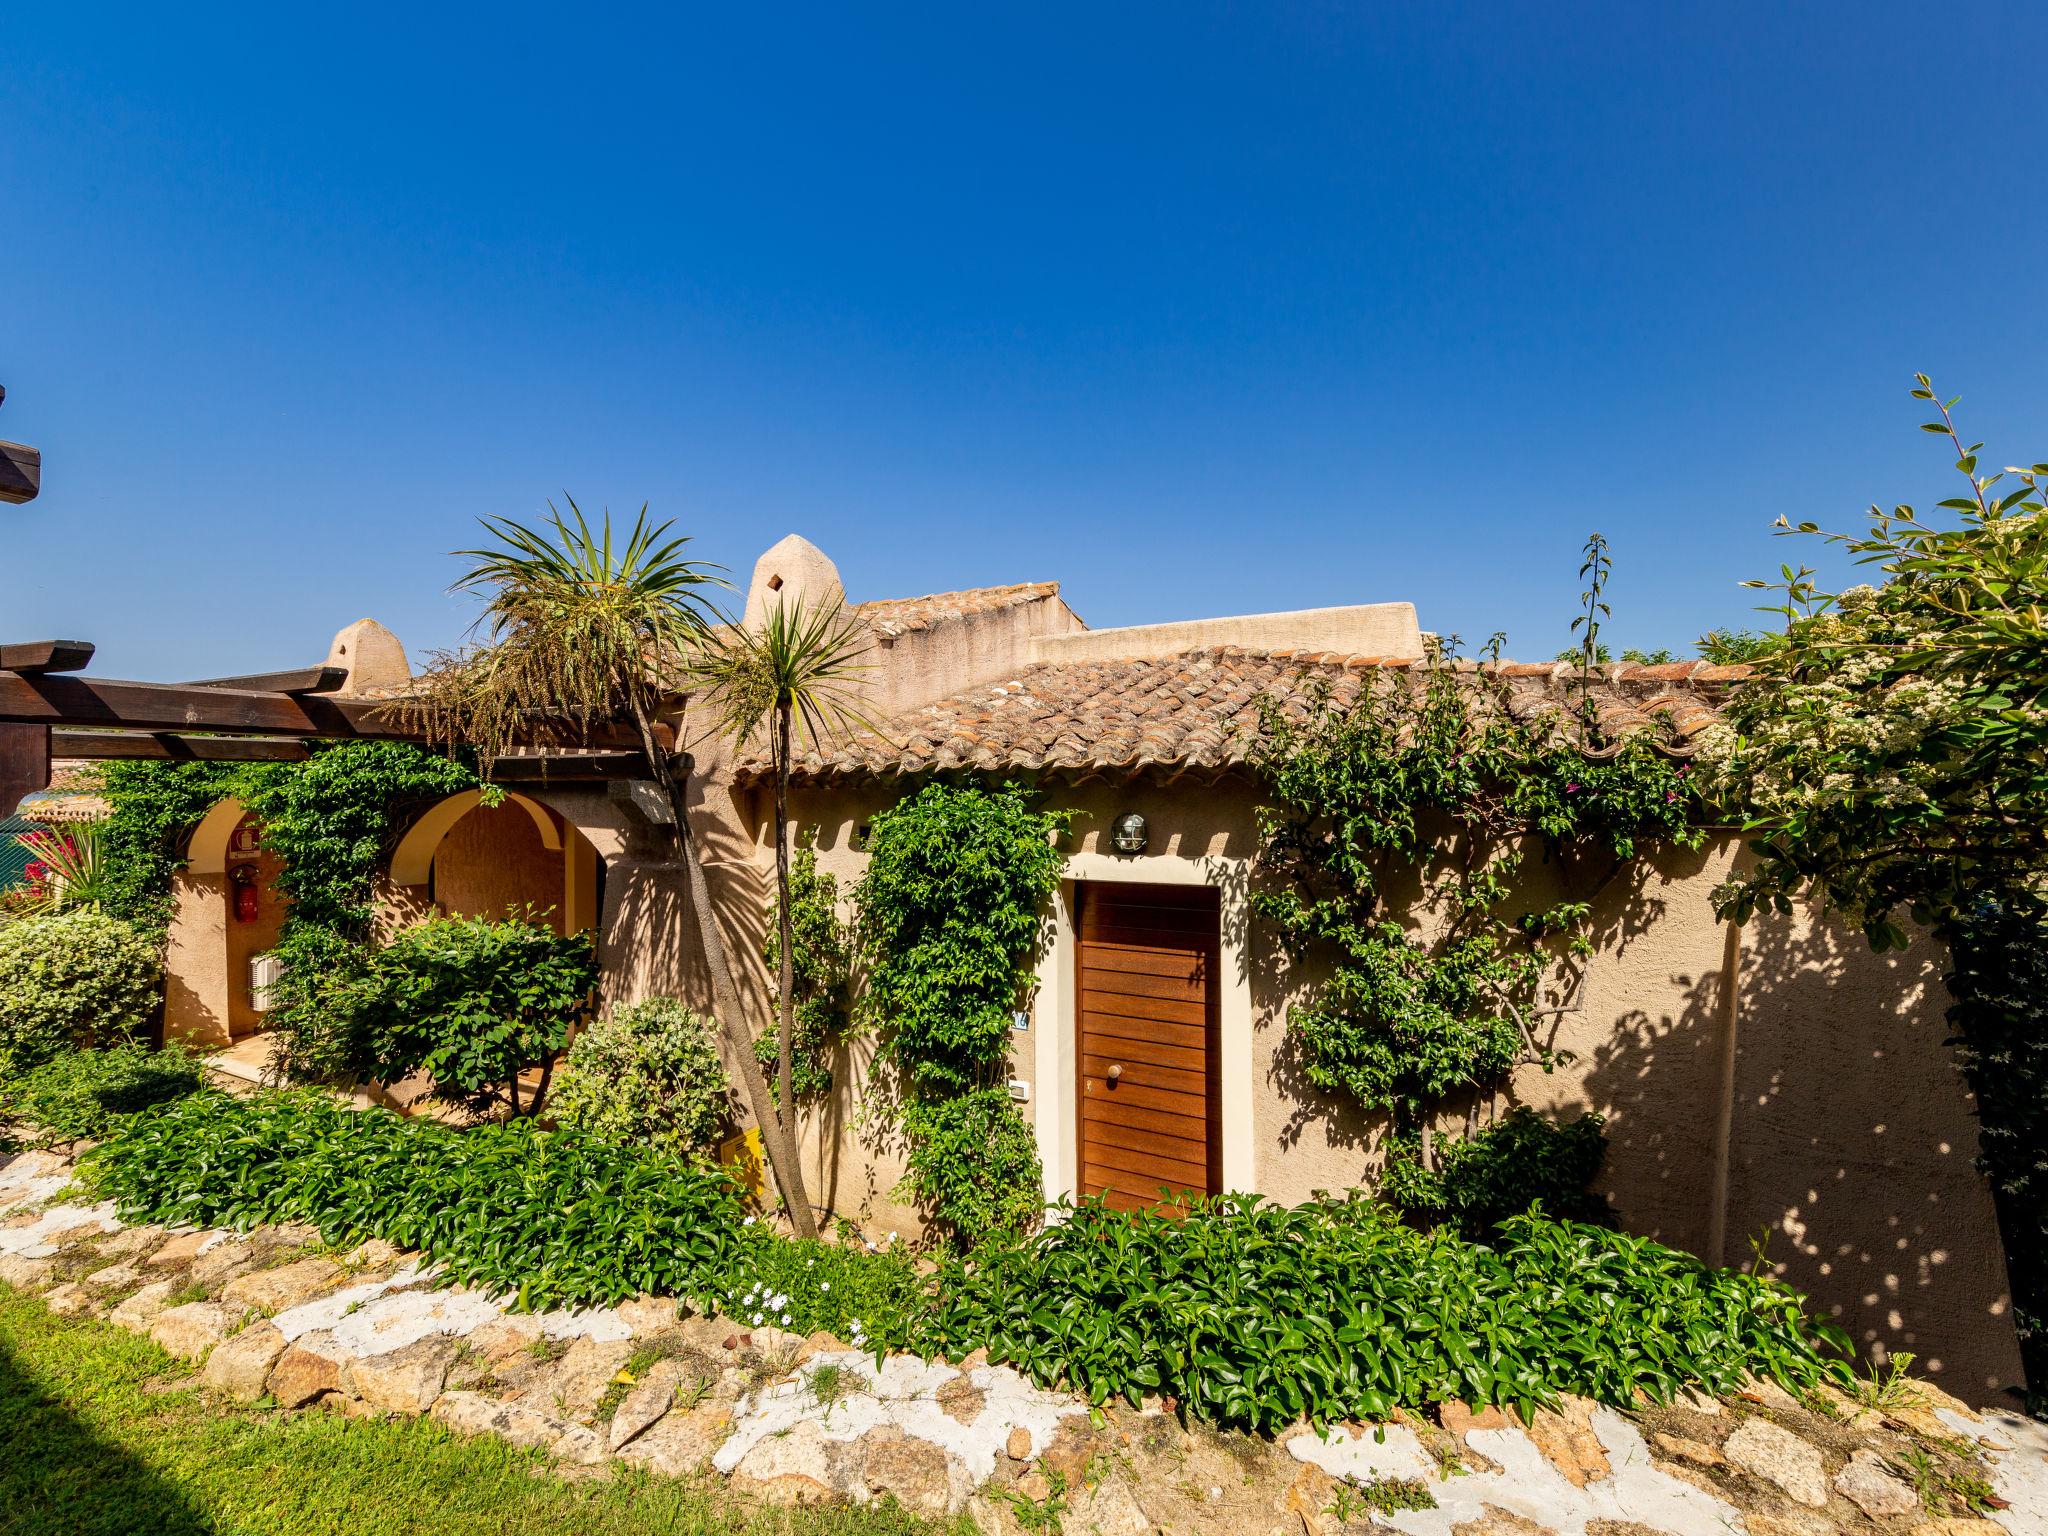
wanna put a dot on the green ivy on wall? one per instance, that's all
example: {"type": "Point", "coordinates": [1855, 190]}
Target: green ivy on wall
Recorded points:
{"type": "Point", "coordinates": [950, 912]}
{"type": "Point", "coordinates": [1400, 827]}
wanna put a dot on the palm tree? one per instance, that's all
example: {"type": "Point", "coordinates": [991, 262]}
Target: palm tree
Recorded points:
{"type": "Point", "coordinates": [800, 674]}
{"type": "Point", "coordinates": [576, 632]}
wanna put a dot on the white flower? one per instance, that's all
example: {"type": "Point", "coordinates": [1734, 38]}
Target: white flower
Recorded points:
{"type": "Point", "coordinates": [824, 1285]}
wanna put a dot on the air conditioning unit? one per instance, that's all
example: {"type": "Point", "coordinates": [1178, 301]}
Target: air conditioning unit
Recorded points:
{"type": "Point", "coordinates": [265, 972]}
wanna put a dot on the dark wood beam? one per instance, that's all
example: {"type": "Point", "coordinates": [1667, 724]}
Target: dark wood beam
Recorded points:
{"type": "Point", "coordinates": [108, 704]}
{"type": "Point", "coordinates": [168, 746]}
{"type": "Point", "coordinates": [21, 472]}
{"type": "Point", "coordinates": [295, 680]}
{"type": "Point", "coordinates": [24, 763]}
{"type": "Point", "coordinates": [569, 767]}
{"type": "Point", "coordinates": [46, 656]}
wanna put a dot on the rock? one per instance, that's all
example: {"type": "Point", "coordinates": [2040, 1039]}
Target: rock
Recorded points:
{"type": "Point", "coordinates": [115, 1277]}
{"type": "Point", "coordinates": [1110, 1508]}
{"type": "Point", "coordinates": [1698, 1402]}
{"type": "Point", "coordinates": [68, 1300]}
{"type": "Point", "coordinates": [25, 1273]}
{"type": "Point", "coordinates": [1871, 1487]}
{"type": "Point", "coordinates": [1698, 1452]}
{"type": "Point", "coordinates": [310, 1368]}
{"type": "Point", "coordinates": [1495, 1521]}
{"type": "Point", "coordinates": [222, 1262]}
{"type": "Point", "coordinates": [960, 1400]}
{"type": "Point", "coordinates": [580, 1379]}
{"type": "Point", "coordinates": [140, 1310]}
{"type": "Point", "coordinates": [1566, 1439]}
{"type": "Point", "coordinates": [405, 1381]}
{"type": "Point", "coordinates": [1308, 1497]}
{"type": "Point", "coordinates": [504, 1336]}
{"type": "Point", "coordinates": [1018, 1446]}
{"type": "Point", "coordinates": [1073, 1446]}
{"type": "Point", "coordinates": [1459, 1421]}
{"type": "Point", "coordinates": [191, 1330]}
{"type": "Point", "coordinates": [273, 1290]}
{"type": "Point", "coordinates": [915, 1471]}
{"type": "Point", "coordinates": [183, 1248]}
{"type": "Point", "coordinates": [1780, 1458]}
{"type": "Point", "coordinates": [1958, 1526]}
{"type": "Point", "coordinates": [131, 1242]}
{"type": "Point", "coordinates": [800, 1467]}
{"type": "Point", "coordinates": [650, 1397]}
{"type": "Point", "coordinates": [471, 1413]}
{"type": "Point", "coordinates": [374, 1254]}
{"type": "Point", "coordinates": [679, 1444]}
{"type": "Point", "coordinates": [648, 1315]}
{"type": "Point", "coordinates": [1763, 1390]}
{"type": "Point", "coordinates": [239, 1366]}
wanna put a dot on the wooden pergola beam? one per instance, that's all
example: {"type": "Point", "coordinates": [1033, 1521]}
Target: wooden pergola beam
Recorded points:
{"type": "Point", "coordinates": [46, 656]}
{"type": "Point", "coordinates": [24, 764]}
{"type": "Point", "coordinates": [296, 680]}
{"type": "Point", "coordinates": [21, 472]}
{"type": "Point", "coordinates": [170, 747]}
{"type": "Point", "coordinates": [569, 767]}
{"type": "Point", "coordinates": [28, 698]}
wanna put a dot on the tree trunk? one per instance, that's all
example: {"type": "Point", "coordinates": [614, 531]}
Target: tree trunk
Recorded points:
{"type": "Point", "coordinates": [776, 1140]}
{"type": "Point", "coordinates": [785, 1047]}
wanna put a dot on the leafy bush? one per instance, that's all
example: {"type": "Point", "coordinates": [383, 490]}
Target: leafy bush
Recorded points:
{"type": "Point", "coordinates": [1519, 1161]}
{"type": "Point", "coordinates": [76, 978]}
{"type": "Point", "coordinates": [648, 1072]}
{"type": "Point", "coordinates": [950, 913]}
{"type": "Point", "coordinates": [556, 1218]}
{"type": "Point", "coordinates": [867, 1299]}
{"type": "Point", "coordinates": [471, 1003]}
{"type": "Point", "coordinates": [1254, 1315]}
{"type": "Point", "coordinates": [82, 1093]}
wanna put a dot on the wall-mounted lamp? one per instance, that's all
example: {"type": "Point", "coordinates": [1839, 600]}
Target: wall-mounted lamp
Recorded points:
{"type": "Point", "coordinates": [1127, 834]}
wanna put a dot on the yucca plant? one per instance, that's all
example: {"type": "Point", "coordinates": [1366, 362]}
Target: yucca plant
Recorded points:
{"type": "Point", "coordinates": [577, 631]}
{"type": "Point", "coordinates": [799, 676]}
{"type": "Point", "coordinates": [65, 869]}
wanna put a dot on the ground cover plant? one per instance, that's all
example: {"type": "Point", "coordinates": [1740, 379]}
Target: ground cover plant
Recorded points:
{"type": "Point", "coordinates": [106, 1435]}
{"type": "Point", "coordinates": [1248, 1314]}
{"type": "Point", "coordinates": [84, 1093]}
{"type": "Point", "coordinates": [1254, 1315]}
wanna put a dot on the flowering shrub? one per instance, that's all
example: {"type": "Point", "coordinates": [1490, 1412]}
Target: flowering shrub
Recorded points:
{"type": "Point", "coordinates": [74, 978]}
{"type": "Point", "coordinates": [648, 1072]}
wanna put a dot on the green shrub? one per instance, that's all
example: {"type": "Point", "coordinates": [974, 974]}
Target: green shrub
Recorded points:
{"type": "Point", "coordinates": [315, 1019]}
{"type": "Point", "coordinates": [77, 978]}
{"type": "Point", "coordinates": [1519, 1161]}
{"type": "Point", "coordinates": [470, 1003]}
{"type": "Point", "coordinates": [83, 1093]}
{"type": "Point", "coordinates": [868, 1299]}
{"type": "Point", "coordinates": [974, 1160]}
{"type": "Point", "coordinates": [554, 1218]}
{"type": "Point", "coordinates": [1255, 1315]}
{"type": "Point", "coordinates": [648, 1072]}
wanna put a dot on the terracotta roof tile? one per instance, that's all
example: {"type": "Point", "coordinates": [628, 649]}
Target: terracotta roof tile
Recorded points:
{"type": "Point", "coordinates": [902, 615]}
{"type": "Point", "coordinates": [1198, 710]}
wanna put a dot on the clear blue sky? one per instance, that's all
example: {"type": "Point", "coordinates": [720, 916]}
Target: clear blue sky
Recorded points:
{"type": "Point", "coordinates": [1198, 310]}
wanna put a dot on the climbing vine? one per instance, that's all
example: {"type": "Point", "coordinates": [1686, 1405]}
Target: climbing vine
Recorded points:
{"type": "Point", "coordinates": [949, 918]}
{"type": "Point", "coordinates": [1401, 823]}
{"type": "Point", "coordinates": [821, 966]}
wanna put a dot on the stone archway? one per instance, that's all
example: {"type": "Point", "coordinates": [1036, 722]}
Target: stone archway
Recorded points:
{"type": "Point", "coordinates": [208, 948]}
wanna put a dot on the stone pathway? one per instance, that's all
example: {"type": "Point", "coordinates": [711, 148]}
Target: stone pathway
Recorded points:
{"type": "Point", "coordinates": [272, 1314]}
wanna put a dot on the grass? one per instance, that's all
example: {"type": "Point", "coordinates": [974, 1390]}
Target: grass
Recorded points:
{"type": "Point", "coordinates": [106, 1435]}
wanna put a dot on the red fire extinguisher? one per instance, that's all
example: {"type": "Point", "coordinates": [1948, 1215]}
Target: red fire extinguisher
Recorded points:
{"type": "Point", "coordinates": [243, 878]}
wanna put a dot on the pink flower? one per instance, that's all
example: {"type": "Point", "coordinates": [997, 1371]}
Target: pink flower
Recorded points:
{"type": "Point", "coordinates": [1572, 788]}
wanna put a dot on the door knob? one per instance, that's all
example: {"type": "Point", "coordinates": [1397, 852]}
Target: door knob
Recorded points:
{"type": "Point", "coordinates": [1116, 1071]}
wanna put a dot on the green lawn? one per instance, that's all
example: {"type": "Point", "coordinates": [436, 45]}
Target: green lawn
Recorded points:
{"type": "Point", "coordinates": [103, 1434]}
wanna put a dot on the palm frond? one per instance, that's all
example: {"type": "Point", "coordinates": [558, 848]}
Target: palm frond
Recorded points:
{"type": "Point", "coordinates": [808, 659]}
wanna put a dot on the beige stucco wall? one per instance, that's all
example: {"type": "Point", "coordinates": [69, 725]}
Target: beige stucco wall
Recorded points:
{"type": "Point", "coordinates": [207, 953]}
{"type": "Point", "coordinates": [493, 863]}
{"type": "Point", "coordinates": [1848, 1134]}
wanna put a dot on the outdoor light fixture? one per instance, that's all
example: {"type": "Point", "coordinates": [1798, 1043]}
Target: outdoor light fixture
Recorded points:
{"type": "Point", "coordinates": [1127, 833]}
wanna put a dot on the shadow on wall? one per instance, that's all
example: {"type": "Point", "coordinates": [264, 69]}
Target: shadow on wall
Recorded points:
{"type": "Point", "coordinates": [1854, 1140]}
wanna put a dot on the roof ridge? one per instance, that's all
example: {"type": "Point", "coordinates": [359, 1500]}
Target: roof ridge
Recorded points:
{"type": "Point", "coordinates": [1697, 670]}
{"type": "Point", "coordinates": [1036, 588]}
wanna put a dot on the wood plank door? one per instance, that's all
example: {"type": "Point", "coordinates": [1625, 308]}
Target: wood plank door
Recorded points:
{"type": "Point", "coordinates": [1146, 958]}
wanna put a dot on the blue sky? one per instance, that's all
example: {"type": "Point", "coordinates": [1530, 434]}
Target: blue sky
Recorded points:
{"type": "Point", "coordinates": [1198, 310]}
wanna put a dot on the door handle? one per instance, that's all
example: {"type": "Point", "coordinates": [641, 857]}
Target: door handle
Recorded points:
{"type": "Point", "coordinates": [1116, 1070]}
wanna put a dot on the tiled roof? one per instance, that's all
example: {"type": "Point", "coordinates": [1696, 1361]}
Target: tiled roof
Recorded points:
{"type": "Point", "coordinates": [1197, 710]}
{"type": "Point", "coordinates": [901, 615]}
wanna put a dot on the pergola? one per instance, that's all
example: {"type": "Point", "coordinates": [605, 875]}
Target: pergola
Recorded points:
{"type": "Point", "coordinates": [49, 711]}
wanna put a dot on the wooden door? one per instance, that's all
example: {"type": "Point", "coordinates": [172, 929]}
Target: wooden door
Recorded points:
{"type": "Point", "coordinates": [1146, 959]}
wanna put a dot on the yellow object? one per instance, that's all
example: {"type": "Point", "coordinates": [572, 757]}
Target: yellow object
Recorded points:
{"type": "Point", "coordinates": [742, 1158]}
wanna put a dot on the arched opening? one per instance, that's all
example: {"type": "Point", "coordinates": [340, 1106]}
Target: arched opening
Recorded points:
{"type": "Point", "coordinates": [226, 910]}
{"type": "Point", "coordinates": [468, 859]}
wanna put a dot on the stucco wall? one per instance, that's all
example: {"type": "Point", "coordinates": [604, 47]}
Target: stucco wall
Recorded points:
{"type": "Point", "coordinates": [493, 863]}
{"type": "Point", "coordinates": [1848, 1134]}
